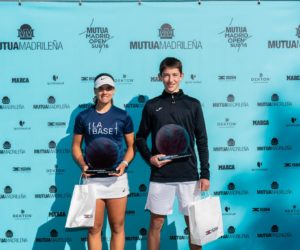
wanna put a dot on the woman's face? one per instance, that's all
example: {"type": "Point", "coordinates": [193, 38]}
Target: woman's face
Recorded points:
{"type": "Point", "coordinates": [104, 93]}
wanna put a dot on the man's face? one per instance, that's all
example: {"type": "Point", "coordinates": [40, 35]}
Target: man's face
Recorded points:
{"type": "Point", "coordinates": [171, 78]}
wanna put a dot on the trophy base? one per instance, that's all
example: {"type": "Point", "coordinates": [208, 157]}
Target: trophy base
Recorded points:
{"type": "Point", "coordinates": [102, 171]}
{"type": "Point", "coordinates": [173, 157]}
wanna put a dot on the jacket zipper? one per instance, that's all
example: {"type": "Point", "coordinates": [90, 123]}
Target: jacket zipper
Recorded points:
{"type": "Point", "coordinates": [173, 99]}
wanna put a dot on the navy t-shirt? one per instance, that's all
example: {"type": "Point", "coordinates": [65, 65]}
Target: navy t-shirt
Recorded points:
{"type": "Point", "coordinates": [112, 125]}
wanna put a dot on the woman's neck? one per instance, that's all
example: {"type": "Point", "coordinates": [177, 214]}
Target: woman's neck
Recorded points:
{"type": "Point", "coordinates": [103, 107]}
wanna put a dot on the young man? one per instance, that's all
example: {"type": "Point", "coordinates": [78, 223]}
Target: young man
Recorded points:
{"type": "Point", "coordinates": [177, 177]}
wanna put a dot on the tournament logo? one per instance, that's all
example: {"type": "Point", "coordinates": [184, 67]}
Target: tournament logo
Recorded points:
{"type": "Point", "coordinates": [232, 233]}
{"type": "Point", "coordinates": [260, 79]}
{"type": "Point", "coordinates": [231, 147]}
{"type": "Point", "coordinates": [274, 233]}
{"type": "Point", "coordinates": [9, 238]}
{"type": "Point", "coordinates": [275, 102]}
{"type": "Point", "coordinates": [166, 33]}
{"type": "Point", "coordinates": [25, 32]}
{"type": "Point", "coordinates": [52, 149]}
{"type": "Point", "coordinates": [142, 235]}
{"type": "Point", "coordinates": [136, 102]}
{"type": "Point", "coordinates": [53, 194]}
{"type": "Point", "coordinates": [142, 192]}
{"type": "Point", "coordinates": [8, 194]}
{"type": "Point", "coordinates": [285, 43]}
{"type": "Point", "coordinates": [274, 190]}
{"type": "Point", "coordinates": [26, 35]}
{"type": "Point", "coordinates": [275, 146]}
{"type": "Point", "coordinates": [184, 236]}
{"type": "Point", "coordinates": [231, 190]}
{"type": "Point", "coordinates": [8, 150]}
{"type": "Point", "coordinates": [6, 104]}
{"type": "Point", "coordinates": [231, 103]}
{"type": "Point", "coordinates": [97, 36]}
{"type": "Point", "coordinates": [236, 36]}
{"type": "Point", "coordinates": [51, 104]}
{"type": "Point", "coordinates": [54, 238]}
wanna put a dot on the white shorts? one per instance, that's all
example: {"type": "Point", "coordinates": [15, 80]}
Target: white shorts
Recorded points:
{"type": "Point", "coordinates": [161, 196]}
{"type": "Point", "coordinates": [109, 187]}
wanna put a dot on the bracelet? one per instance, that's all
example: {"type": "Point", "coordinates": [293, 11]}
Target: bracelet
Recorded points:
{"type": "Point", "coordinates": [125, 162]}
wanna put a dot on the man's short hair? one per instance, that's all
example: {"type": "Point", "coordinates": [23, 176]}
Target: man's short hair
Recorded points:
{"type": "Point", "coordinates": [170, 62]}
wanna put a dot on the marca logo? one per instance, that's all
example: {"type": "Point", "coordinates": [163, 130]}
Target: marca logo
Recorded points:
{"type": "Point", "coordinates": [260, 122]}
{"type": "Point", "coordinates": [20, 80]}
{"type": "Point", "coordinates": [293, 78]}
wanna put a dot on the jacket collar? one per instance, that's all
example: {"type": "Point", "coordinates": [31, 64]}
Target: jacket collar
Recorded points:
{"type": "Point", "coordinates": [176, 95]}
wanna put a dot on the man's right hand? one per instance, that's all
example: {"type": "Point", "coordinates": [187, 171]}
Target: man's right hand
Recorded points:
{"type": "Point", "coordinates": [157, 163]}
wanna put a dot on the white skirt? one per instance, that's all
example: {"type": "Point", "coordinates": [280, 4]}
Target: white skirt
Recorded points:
{"type": "Point", "coordinates": [109, 187]}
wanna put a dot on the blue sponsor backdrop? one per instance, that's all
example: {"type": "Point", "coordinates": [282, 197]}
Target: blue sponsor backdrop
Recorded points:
{"type": "Point", "coordinates": [240, 59]}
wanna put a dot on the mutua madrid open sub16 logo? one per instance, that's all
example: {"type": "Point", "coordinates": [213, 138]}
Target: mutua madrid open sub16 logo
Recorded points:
{"type": "Point", "coordinates": [166, 33]}
{"type": "Point", "coordinates": [236, 36]}
{"type": "Point", "coordinates": [26, 34]}
{"type": "Point", "coordinates": [97, 36]}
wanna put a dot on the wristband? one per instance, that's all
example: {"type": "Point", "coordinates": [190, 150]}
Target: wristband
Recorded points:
{"type": "Point", "coordinates": [125, 162]}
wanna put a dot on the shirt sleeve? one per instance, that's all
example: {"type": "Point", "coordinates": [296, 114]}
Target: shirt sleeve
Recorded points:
{"type": "Point", "coordinates": [143, 133]}
{"type": "Point", "coordinates": [78, 126]}
{"type": "Point", "coordinates": [128, 126]}
{"type": "Point", "coordinates": [201, 142]}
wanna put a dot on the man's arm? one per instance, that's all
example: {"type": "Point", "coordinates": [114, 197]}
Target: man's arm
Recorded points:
{"type": "Point", "coordinates": [202, 147]}
{"type": "Point", "coordinates": [142, 134]}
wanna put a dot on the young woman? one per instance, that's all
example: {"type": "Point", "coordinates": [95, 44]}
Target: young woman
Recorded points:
{"type": "Point", "coordinates": [104, 120]}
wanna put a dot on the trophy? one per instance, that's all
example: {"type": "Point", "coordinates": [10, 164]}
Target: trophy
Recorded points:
{"type": "Point", "coordinates": [101, 156]}
{"type": "Point", "coordinates": [173, 141]}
